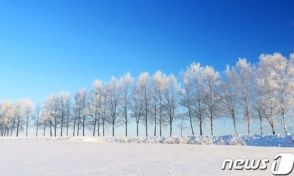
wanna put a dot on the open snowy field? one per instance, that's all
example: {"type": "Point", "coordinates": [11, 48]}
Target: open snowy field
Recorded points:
{"type": "Point", "coordinates": [43, 157]}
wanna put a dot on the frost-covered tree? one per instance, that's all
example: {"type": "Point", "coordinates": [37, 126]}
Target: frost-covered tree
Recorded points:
{"type": "Point", "coordinates": [105, 101]}
{"type": "Point", "coordinates": [137, 107]}
{"type": "Point", "coordinates": [49, 113]}
{"type": "Point", "coordinates": [171, 100]}
{"type": "Point", "coordinates": [37, 115]}
{"type": "Point", "coordinates": [159, 87]}
{"type": "Point", "coordinates": [264, 91]}
{"type": "Point", "coordinates": [63, 110]}
{"type": "Point", "coordinates": [28, 108]}
{"type": "Point", "coordinates": [260, 103]}
{"type": "Point", "coordinates": [113, 102]}
{"type": "Point", "coordinates": [229, 96]}
{"type": "Point", "coordinates": [95, 105]}
{"type": "Point", "coordinates": [125, 86]}
{"type": "Point", "coordinates": [80, 112]}
{"type": "Point", "coordinates": [187, 103]}
{"type": "Point", "coordinates": [245, 82]}
{"type": "Point", "coordinates": [275, 88]}
{"type": "Point", "coordinates": [193, 94]}
{"type": "Point", "coordinates": [7, 120]}
{"type": "Point", "coordinates": [285, 86]}
{"type": "Point", "coordinates": [211, 94]}
{"type": "Point", "coordinates": [267, 87]}
{"type": "Point", "coordinates": [56, 112]}
{"type": "Point", "coordinates": [144, 88]}
{"type": "Point", "coordinates": [68, 114]}
{"type": "Point", "coordinates": [23, 109]}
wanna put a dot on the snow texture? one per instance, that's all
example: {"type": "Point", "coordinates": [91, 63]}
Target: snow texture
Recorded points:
{"type": "Point", "coordinates": [112, 156]}
{"type": "Point", "coordinates": [256, 140]}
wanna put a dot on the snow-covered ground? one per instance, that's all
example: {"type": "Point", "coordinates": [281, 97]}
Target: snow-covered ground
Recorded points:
{"type": "Point", "coordinates": [88, 157]}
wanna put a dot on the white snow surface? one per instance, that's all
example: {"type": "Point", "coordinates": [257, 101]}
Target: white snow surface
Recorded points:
{"type": "Point", "coordinates": [134, 156]}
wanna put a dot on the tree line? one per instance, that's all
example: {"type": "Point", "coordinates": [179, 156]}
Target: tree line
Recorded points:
{"type": "Point", "coordinates": [263, 91]}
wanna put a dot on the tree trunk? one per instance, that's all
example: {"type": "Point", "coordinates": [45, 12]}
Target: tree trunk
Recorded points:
{"type": "Point", "coordinates": [78, 128]}
{"type": "Point", "coordinates": [12, 128]}
{"type": "Point", "coordinates": [273, 129]}
{"type": "Point", "coordinates": [261, 130]}
{"type": "Point", "coordinates": [211, 126]}
{"type": "Point", "coordinates": [181, 130]}
{"type": "Point", "coordinates": [55, 126]}
{"type": "Point", "coordinates": [191, 123]}
{"type": "Point", "coordinates": [50, 129]}
{"type": "Point", "coordinates": [74, 127]}
{"type": "Point", "coordinates": [170, 129]}
{"type": "Point", "coordinates": [248, 119]}
{"type": "Point", "coordinates": [160, 126]}
{"type": "Point", "coordinates": [67, 124]}
{"type": "Point", "coordinates": [271, 120]}
{"type": "Point", "coordinates": [272, 126]}
{"type": "Point", "coordinates": [284, 123]}
{"type": "Point", "coordinates": [61, 125]}
{"type": "Point", "coordinates": [67, 119]}
{"type": "Point", "coordinates": [6, 131]}
{"type": "Point", "coordinates": [155, 119]}
{"type": "Point", "coordinates": [103, 127]}
{"type": "Point", "coordinates": [37, 127]}
{"type": "Point", "coordinates": [113, 122]}
{"type": "Point", "coordinates": [146, 125]}
{"type": "Point", "coordinates": [27, 125]}
{"type": "Point", "coordinates": [200, 127]}
{"type": "Point", "coordinates": [146, 114]}
{"type": "Point", "coordinates": [44, 132]}
{"type": "Point", "coordinates": [17, 129]}
{"type": "Point", "coordinates": [98, 126]}
{"type": "Point", "coordinates": [260, 121]}
{"type": "Point", "coordinates": [137, 128]}
{"type": "Point", "coordinates": [190, 116]}
{"type": "Point", "coordinates": [84, 118]}
{"type": "Point", "coordinates": [160, 119]}
{"type": "Point", "coordinates": [126, 120]}
{"type": "Point", "coordinates": [94, 126]}
{"type": "Point", "coordinates": [234, 123]}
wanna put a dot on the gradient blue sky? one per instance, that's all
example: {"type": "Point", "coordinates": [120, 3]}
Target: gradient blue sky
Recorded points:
{"type": "Point", "coordinates": [52, 45]}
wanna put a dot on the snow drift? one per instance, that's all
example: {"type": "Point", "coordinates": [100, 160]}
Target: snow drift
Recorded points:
{"type": "Point", "coordinates": [255, 140]}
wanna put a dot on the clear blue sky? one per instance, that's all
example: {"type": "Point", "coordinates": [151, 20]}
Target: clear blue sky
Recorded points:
{"type": "Point", "coordinates": [52, 45]}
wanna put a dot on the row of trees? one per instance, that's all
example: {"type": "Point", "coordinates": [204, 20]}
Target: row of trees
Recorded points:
{"type": "Point", "coordinates": [262, 91]}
